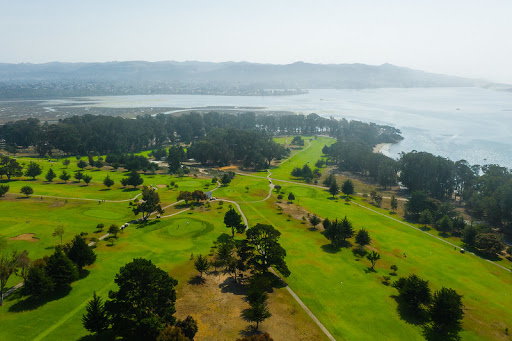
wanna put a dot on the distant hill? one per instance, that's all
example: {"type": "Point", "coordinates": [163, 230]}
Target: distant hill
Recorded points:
{"type": "Point", "coordinates": [296, 75]}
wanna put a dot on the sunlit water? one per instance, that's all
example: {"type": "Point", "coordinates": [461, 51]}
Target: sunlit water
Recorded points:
{"type": "Point", "coordinates": [460, 123]}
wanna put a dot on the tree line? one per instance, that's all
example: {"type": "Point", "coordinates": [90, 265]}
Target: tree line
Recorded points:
{"type": "Point", "coordinates": [86, 134]}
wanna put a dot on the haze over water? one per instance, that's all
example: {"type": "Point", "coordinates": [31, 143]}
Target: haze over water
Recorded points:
{"type": "Point", "coordinates": [459, 123]}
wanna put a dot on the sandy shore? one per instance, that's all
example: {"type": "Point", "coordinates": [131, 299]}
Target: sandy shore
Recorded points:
{"type": "Point", "coordinates": [382, 148]}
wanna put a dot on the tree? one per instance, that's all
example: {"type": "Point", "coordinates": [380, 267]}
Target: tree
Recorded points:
{"type": "Point", "coordinates": [50, 175]}
{"type": "Point", "coordinates": [489, 244]}
{"type": "Point", "coordinates": [394, 268]}
{"type": "Point", "coordinates": [7, 268]}
{"type": "Point", "coordinates": [394, 203]}
{"type": "Point", "coordinates": [10, 168]}
{"type": "Point", "coordinates": [65, 176]}
{"type": "Point", "coordinates": [264, 239]}
{"type": "Point", "coordinates": [108, 181]}
{"type": "Point", "coordinates": [80, 253]}
{"type": "Point", "coordinates": [113, 230]}
{"type": "Point", "coordinates": [188, 326]}
{"type": "Point", "coordinates": [277, 188]}
{"type": "Point", "coordinates": [363, 238]}
{"type": "Point", "coordinates": [144, 303]}
{"type": "Point", "coordinates": [445, 224]}
{"type": "Point", "coordinates": [81, 164]}
{"type": "Point", "coordinates": [184, 195]}
{"type": "Point", "coordinates": [61, 270]}
{"type": "Point", "coordinates": [27, 190]}
{"type": "Point", "coordinates": [58, 232]}
{"type": "Point", "coordinates": [425, 218]}
{"type": "Point", "coordinates": [414, 291]}
{"type": "Point", "coordinates": [378, 200]}
{"type": "Point", "coordinates": [233, 220]}
{"type": "Point", "coordinates": [347, 187]}
{"type": "Point", "coordinates": [38, 283]}
{"type": "Point", "coordinates": [291, 197]}
{"type": "Point", "coordinates": [446, 311]}
{"type": "Point", "coordinates": [33, 170]}
{"type": "Point", "coordinates": [100, 226]}
{"type": "Point", "coordinates": [314, 220]}
{"type": "Point", "coordinates": [202, 264]}
{"type": "Point", "coordinates": [79, 176]}
{"type": "Point", "coordinates": [3, 190]}
{"type": "Point", "coordinates": [257, 312]}
{"type": "Point", "coordinates": [172, 333]}
{"type": "Point", "coordinates": [333, 188]}
{"type": "Point", "coordinates": [373, 257]}
{"type": "Point", "coordinates": [225, 180]}
{"type": "Point", "coordinates": [66, 162]}
{"type": "Point", "coordinates": [134, 179]}
{"type": "Point", "coordinates": [150, 203]}
{"type": "Point", "coordinates": [87, 179]}
{"type": "Point", "coordinates": [338, 231]}
{"type": "Point", "coordinates": [329, 180]}
{"type": "Point", "coordinates": [95, 319]}
{"type": "Point", "coordinates": [22, 264]}
{"type": "Point", "coordinates": [469, 235]}
{"type": "Point", "coordinates": [174, 159]}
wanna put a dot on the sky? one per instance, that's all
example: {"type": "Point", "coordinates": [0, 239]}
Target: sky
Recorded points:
{"type": "Point", "coordinates": [464, 38]}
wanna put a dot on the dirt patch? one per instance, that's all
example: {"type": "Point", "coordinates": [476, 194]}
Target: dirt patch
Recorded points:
{"type": "Point", "coordinates": [161, 186]}
{"type": "Point", "coordinates": [217, 304]}
{"type": "Point", "coordinates": [29, 237]}
{"type": "Point", "coordinates": [297, 212]}
{"type": "Point", "coordinates": [228, 168]}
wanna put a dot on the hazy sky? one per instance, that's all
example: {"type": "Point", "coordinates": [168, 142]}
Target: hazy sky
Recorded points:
{"type": "Point", "coordinates": [466, 38]}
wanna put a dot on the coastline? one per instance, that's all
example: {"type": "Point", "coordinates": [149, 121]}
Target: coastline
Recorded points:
{"type": "Point", "coordinates": [382, 148]}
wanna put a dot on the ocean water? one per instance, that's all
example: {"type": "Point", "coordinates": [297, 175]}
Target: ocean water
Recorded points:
{"type": "Point", "coordinates": [474, 124]}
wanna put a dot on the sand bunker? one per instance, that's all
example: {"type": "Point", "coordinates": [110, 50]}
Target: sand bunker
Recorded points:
{"type": "Point", "coordinates": [29, 237]}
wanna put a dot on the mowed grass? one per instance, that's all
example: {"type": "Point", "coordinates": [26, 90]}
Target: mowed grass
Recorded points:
{"type": "Point", "coordinates": [352, 302]}
{"type": "Point", "coordinates": [95, 190]}
{"type": "Point", "coordinates": [345, 296]}
{"type": "Point", "coordinates": [301, 157]}
{"type": "Point", "coordinates": [168, 243]}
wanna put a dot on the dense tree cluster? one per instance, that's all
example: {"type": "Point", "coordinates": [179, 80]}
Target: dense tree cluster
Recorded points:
{"type": "Point", "coordinates": [357, 156]}
{"type": "Point", "coordinates": [251, 148]}
{"type": "Point", "coordinates": [105, 134]}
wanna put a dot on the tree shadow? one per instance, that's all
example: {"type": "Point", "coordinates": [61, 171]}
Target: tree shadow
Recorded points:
{"type": "Point", "coordinates": [431, 333]}
{"type": "Point", "coordinates": [425, 228]}
{"type": "Point", "coordinates": [146, 223]}
{"type": "Point", "coordinates": [31, 303]}
{"type": "Point", "coordinates": [130, 189]}
{"type": "Point", "coordinates": [223, 237]}
{"type": "Point", "coordinates": [250, 331]}
{"type": "Point", "coordinates": [312, 229]}
{"type": "Point", "coordinates": [231, 286]}
{"type": "Point", "coordinates": [359, 253]}
{"type": "Point", "coordinates": [105, 189]}
{"type": "Point", "coordinates": [196, 280]}
{"type": "Point", "coordinates": [369, 270]}
{"type": "Point", "coordinates": [409, 315]}
{"type": "Point", "coordinates": [84, 273]}
{"type": "Point", "coordinates": [105, 336]}
{"type": "Point", "coordinates": [329, 248]}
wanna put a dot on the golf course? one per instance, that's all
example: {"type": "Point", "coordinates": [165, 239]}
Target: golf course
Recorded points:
{"type": "Point", "coordinates": [350, 300]}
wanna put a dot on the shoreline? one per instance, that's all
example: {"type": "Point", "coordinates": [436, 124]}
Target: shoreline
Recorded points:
{"type": "Point", "coordinates": [382, 148]}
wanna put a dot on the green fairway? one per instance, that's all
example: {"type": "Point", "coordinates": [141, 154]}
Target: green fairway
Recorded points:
{"type": "Point", "coordinates": [168, 243]}
{"type": "Point", "coordinates": [352, 302]}
{"type": "Point", "coordinates": [309, 154]}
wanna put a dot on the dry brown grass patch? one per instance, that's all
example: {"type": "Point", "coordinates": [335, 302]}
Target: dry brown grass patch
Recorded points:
{"type": "Point", "coordinates": [29, 237]}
